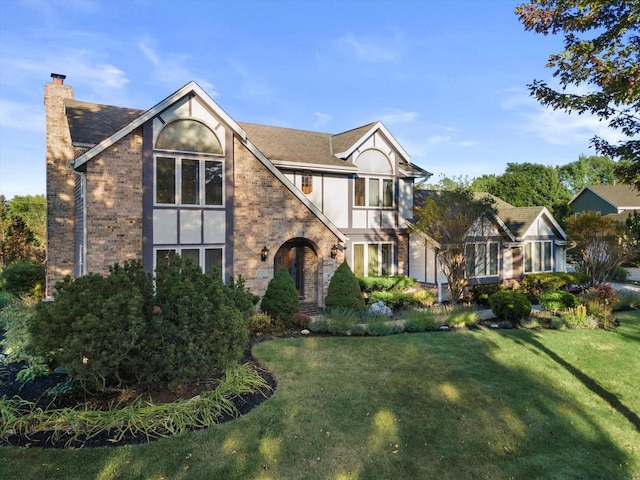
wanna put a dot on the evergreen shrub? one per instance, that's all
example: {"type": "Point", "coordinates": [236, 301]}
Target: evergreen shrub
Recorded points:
{"type": "Point", "coordinates": [281, 298]}
{"type": "Point", "coordinates": [510, 305]}
{"type": "Point", "coordinates": [24, 277]}
{"type": "Point", "coordinates": [385, 283]}
{"type": "Point", "coordinates": [344, 290]}
{"type": "Point", "coordinates": [120, 331]}
{"type": "Point", "coordinates": [558, 300]}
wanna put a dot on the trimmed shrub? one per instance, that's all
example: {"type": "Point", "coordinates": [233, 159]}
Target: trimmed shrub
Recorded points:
{"type": "Point", "coordinates": [395, 300]}
{"type": "Point", "coordinates": [24, 277]}
{"type": "Point", "coordinates": [481, 293]}
{"type": "Point", "coordinates": [535, 284]}
{"type": "Point", "coordinates": [344, 290]}
{"type": "Point", "coordinates": [558, 300]}
{"type": "Point", "coordinates": [385, 284]}
{"type": "Point", "coordinates": [620, 275]}
{"type": "Point", "coordinates": [281, 298]}
{"type": "Point", "coordinates": [115, 331]}
{"type": "Point", "coordinates": [510, 305]}
{"type": "Point", "coordinates": [260, 322]}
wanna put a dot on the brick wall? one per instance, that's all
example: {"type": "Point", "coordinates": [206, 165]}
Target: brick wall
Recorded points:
{"type": "Point", "coordinates": [114, 204]}
{"type": "Point", "coordinates": [60, 185]}
{"type": "Point", "coordinates": [268, 213]}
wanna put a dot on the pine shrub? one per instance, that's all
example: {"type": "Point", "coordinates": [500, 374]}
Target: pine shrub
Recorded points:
{"type": "Point", "coordinates": [510, 305]}
{"type": "Point", "coordinates": [281, 298]}
{"type": "Point", "coordinates": [24, 277]}
{"type": "Point", "coordinates": [344, 290]}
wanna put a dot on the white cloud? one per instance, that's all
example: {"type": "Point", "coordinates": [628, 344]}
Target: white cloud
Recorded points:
{"type": "Point", "coordinates": [556, 126]}
{"type": "Point", "coordinates": [395, 116]}
{"type": "Point", "coordinates": [172, 69]}
{"type": "Point", "coordinates": [373, 49]}
{"type": "Point", "coordinates": [322, 119]}
{"type": "Point", "coordinates": [438, 139]}
{"type": "Point", "coordinates": [467, 143]}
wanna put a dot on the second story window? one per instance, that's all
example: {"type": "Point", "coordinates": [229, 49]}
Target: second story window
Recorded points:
{"type": "Point", "coordinates": [194, 177]}
{"type": "Point", "coordinates": [307, 183]}
{"type": "Point", "coordinates": [373, 192]}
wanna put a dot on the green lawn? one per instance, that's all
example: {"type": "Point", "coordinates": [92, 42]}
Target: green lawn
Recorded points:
{"type": "Point", "coordinates": [506, 404]}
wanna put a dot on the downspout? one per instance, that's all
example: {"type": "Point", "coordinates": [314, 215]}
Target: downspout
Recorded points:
{"type": "Point", "coordinates": [83, 193]}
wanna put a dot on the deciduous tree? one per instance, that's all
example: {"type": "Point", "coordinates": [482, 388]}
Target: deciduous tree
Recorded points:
{"type": "Point", "coordinates": [449, 218]}
{"type": "Point", "coordinates": [592, 170]}
{"type": "Point", "coordinates": [601, 52]}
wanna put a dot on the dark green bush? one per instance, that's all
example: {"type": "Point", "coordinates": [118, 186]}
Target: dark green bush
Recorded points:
{"type": "Point", "coordinates": [14, 320]}
{"type": "Point", "coordinates": [397, 300]}
{"type": "Point", "coordinates": [116, 331]}
{"type": "Point", "coordinates": [385, 284]}
{"type": "Point", "coordinates": [344, 290]}
{"type": "Point", "coordinates": [558, 300]}
{"type": "Point", "coordinates": [510, 305]}
{"type": "Point", "coordinates": [24, 277]}
{"type": "Point", "coordinates": [535, 284]}
{"type": "Point", "coordinates": [481, 293]}
{"type": "Point", "coordinates": [281, 298]}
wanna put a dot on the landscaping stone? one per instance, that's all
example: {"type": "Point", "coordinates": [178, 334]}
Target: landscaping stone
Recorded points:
{"type": "Point", "coordinates": [379, 308]}
{"type": "Point", "coordinates": [305, 332]}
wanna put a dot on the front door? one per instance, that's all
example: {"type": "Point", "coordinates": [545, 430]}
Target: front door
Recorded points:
{"type": "Point", "coordinates": [292, 258]}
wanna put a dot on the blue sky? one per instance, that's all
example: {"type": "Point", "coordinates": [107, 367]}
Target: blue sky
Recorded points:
{"type": "Point", "coordinates": [447, 78]}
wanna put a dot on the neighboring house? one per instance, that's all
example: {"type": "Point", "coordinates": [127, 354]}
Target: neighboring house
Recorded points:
{"type": "Point", "coordinates": [615, 200]}
{"type": "Point", "coordinates": [247, 199]}
{"type": "Point", "coordinates": [518, 241]}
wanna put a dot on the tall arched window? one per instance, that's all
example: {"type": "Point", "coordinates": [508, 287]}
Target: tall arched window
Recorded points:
{"type": "Point", "coordinates": [374, 183]}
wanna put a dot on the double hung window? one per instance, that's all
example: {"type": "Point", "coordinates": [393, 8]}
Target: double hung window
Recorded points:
{"type": "Point", "coordinates": [209, 259]}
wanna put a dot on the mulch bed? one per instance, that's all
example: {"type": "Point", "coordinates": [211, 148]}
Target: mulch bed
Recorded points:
{"type": "Point", "coordinates": [35, 391]}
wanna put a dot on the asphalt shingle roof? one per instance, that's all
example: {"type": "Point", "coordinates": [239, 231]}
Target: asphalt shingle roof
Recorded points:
{"type": "Point", "coordinates": [618, 195]}
{"type": "Point", "coordinates": [90, 123]}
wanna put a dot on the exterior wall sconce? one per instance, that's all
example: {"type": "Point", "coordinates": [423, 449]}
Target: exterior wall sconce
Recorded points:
{"type": "Point", "coordinates": [334, 251]}
{"type": "Point", "coordinates": [264, 253]}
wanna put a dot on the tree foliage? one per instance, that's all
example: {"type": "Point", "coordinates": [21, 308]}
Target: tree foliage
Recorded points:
{"type": "Point", "coordinates": [450, 218]}
{"type": "Point", "coordinates": [528, 185]}
{"type": "Point", "coordinates": [601, 52]}
{"type": "Point", "coordinates": [22, 229]}
{"type": "Point", "coordinates": [586, 171]}
{"type": "Point", "coordinates": [600, 245]}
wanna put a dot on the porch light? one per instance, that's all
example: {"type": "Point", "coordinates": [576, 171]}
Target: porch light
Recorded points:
{"type": "Point", "coordinates": [334, 251]}
{"type": "Point", "coordinates": [264, 253]}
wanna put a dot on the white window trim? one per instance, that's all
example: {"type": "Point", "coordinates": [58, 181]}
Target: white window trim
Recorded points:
{"type": "Point", "coordinates": [380, 206]}
{"type": "Point", "coordinates": [178, 157]}
{"type": "Point", "coordinates": [487, 259]}
{"type": "Point", "coordinates": [366, 257]}
{"type": "Point", "coordinates": [524, 257]}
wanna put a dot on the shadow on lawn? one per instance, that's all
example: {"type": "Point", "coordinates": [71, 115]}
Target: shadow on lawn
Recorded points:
{"type": "Point", "coordinates": [530, 338]}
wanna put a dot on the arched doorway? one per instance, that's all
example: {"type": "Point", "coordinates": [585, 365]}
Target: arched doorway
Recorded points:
{"type": "Point", "coordinates": [299, 257]}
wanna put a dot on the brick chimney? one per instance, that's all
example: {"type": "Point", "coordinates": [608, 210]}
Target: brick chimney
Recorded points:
{"type": "Point", "coordinates": [60, 182]}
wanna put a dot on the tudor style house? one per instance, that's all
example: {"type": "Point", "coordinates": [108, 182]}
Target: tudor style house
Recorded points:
{"type": "Point", "coordinates": [518, 241]}
{"type": "Point", "coordinates": [184, 177]}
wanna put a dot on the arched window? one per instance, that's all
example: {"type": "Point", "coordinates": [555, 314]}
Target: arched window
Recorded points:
{"type": "Point", "coordinates": [188, 136]}
{"type": "Point", "coordinates": [307, 183]}
{"type": "Point", "coordinates": [374, 161]}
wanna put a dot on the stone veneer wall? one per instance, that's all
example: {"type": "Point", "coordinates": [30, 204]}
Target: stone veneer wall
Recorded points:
{"type": "Point", "coordinates": [268, 213]}
{"type": "Point", "coordinates": [114, 204]}
{"type": "Point", "coordinates": [60, 186]}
